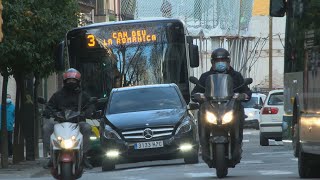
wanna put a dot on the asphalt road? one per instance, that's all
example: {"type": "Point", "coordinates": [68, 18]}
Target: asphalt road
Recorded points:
{"type": "Point", "coordinates": [272, 162]}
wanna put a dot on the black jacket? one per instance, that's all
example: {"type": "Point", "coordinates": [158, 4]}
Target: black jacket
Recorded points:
{"type": "Point", "coordinates": [66, 99]}
{"type": "Point", "coordinates": [237, 81]}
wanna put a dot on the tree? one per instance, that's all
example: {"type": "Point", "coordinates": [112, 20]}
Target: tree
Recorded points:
{"type": "Point", "coordinates": [33, 30]}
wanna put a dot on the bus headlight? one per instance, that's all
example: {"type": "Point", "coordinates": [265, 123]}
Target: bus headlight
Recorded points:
{"type": "Point", "coordinates": [227, 118]}
{"type": "Point", "coordinates": [211, 118]}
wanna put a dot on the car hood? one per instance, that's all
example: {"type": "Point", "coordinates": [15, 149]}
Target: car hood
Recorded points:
{"type": "Point", "coordinates": [143, 119]}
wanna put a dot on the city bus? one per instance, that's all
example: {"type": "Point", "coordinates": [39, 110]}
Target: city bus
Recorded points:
{"type": "Point", "coordinates": [130, 53]}
{"type": "Point", "coordinates": [302, 79]}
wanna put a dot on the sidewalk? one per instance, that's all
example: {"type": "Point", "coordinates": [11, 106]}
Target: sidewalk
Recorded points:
{"type": "Point", "coordinates": [25, 169]}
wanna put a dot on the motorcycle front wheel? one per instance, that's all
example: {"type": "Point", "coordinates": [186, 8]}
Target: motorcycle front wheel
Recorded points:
{"type": "Point", "coordinates": [66, 171]}
{"type": "Point", "coordinates": [220, 161]}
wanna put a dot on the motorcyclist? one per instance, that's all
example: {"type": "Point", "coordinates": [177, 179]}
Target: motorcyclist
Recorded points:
{"type": "Point", "coordinates": [68, 98]}
{"type": "Point", "coordinates": [220, 60]}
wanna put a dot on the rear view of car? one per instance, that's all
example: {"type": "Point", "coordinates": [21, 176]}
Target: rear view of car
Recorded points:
{"type": "Point", "coordinates": [252, 110]}
{"type": "Point", "coordinates": [271, 117]}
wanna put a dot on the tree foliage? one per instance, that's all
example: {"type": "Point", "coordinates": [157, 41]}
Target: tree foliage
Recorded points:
{"type": "Point", "coordinates": [32, 29]}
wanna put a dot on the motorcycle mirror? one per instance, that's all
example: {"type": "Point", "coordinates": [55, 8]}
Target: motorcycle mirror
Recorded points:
{"type": "Point", "coordinates": [93, 100]}
{"type": "Point", "coordinates": [194, 80]}
{"type": "Point", "coordinates": [102, 100]}
{"type": "Point", "coordinates": [41, 100]}
{"type": "Point", "coordinates": [193, 106]}
{"type": "Point", "coordinates": [248, 81]}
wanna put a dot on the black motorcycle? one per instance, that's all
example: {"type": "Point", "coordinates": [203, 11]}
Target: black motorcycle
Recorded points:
{"type": "Point", "coordinates": [218, 120]}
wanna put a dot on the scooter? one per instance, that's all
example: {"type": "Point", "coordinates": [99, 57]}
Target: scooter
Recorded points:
{"type": "Point", "coordinates": [66, 146]}
{"type": "Point", "coordinates": [218, 120]}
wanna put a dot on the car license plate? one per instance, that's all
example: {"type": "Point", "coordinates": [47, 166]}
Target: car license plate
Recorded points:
{"type": "Point", "coordinates": [148, 145]}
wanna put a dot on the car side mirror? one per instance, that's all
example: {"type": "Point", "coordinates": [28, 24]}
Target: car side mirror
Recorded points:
{"type": "Point", "coordinates": [193, 106]}
{"type": "Point", "coordinates": [257, 106]}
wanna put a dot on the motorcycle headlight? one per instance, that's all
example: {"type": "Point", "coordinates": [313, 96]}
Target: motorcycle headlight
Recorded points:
{"type": "Point", "coordinates": [227, 118]}
{"type": "Point", "coordinates": [211, 118]}
{"type": "Point", "coordinates": [109, 133]}
{"type": "Point", "coordinates": [184, 127]}
{"type": "Point", "coordinates": [67, 143]}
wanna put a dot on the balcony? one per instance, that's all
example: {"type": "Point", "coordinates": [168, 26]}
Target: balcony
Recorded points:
{"type": "Point", "coordinates": [104, 12]}
{"type": "Point", "coordinates": [89, 3]}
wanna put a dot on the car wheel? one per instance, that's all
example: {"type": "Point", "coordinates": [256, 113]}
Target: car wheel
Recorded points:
{"type": "Point", "coordinates": [108, 165]}
{"type": "Point", "coordinates": [193, 157]}
{"type": "Point", "coordinates": [264, 141]}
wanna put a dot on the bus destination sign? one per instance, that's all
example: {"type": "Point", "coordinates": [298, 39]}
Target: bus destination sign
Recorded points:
{"type": "Point", "coordinates": [121, 38]}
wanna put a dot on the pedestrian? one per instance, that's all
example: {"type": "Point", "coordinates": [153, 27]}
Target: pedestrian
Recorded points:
{"type": "Point", "coordinates": [10, 123]}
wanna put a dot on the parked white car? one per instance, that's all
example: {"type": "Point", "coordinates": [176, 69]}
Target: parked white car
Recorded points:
{"type": "Point", "coordinates": [252, 110]}
{"type": "Point", "coordinates": [271, 117]}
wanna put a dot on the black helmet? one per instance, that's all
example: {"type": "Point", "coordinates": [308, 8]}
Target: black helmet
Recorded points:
{"type": "Point", "coordinates": [220, 53]}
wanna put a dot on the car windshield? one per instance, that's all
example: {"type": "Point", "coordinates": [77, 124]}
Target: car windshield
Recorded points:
{"type": "Point", "coordinates": [250, 104]}
{"type": "Point", "coordinates": [144, 99]}
{"type": "Point", "coordinates": [276, 99]}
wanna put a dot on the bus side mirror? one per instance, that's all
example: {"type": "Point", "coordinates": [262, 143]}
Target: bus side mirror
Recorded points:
{"type": "Point", "coordinates": [59, 57]}
{"type": "Point", "coordinates": [193, 53]}
{"type": "Point", "coordinates": [194, 60]}
{"type": "Point", "coordinates": [277, 8]}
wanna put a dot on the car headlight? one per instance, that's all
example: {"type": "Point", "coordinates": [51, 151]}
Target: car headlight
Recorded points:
{"type": "Point", "coordinates": [109, 133]}
{"type": "Point", "coordinates": [227, 118]}
{"type": "Point", "coordinates": [211, 118]}
{"type": "Point", "coordinates": [184, 127]}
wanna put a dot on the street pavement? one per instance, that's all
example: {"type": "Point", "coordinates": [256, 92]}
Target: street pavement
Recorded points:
{"type": "Point", "coordinates": [271, 162]}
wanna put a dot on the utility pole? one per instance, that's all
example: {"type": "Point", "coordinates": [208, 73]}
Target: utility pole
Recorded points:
{"type": "Point", "coordinates": [270, 52]}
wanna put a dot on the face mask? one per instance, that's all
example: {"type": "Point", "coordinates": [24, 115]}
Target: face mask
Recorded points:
{"type": "Point", "coordinates": [71, 86]}
{"type": "Point", "coordinates": [220, 66]}
{"type": "Point", "coordinates": [9, 101]}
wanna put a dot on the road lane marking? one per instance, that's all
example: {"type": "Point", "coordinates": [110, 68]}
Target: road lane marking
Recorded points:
{"type": "Point", "coordinates": [200, 175]}
{"type": "Point", "coordinates": [274, 172]}
{"type": "Point", "coordinates": [271, 153]}
{"type": "Point", "coordinates": [246, 140]}
{"type": "Point", "coordinates": [252, 162]}
{"type": "Point", "coordinates": [247, 133]}
{"type": "Point", "coordinates": [287, 141]}
{"type": "Point", "coordinates": [136, 169]}
{"type": "Point", "coordinates": [294, 159]}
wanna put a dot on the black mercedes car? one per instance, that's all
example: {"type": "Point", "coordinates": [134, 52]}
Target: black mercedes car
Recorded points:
{"type": "Point", "coordinates": [149, 122]}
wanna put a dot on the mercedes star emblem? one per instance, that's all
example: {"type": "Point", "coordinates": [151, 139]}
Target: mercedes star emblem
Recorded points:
{"type": "Point", "coordinates": [147, 133]}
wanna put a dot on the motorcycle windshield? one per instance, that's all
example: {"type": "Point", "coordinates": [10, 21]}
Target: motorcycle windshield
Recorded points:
{"type": "Point", "coordinates": [69, 114]}
{"type": "Point", "coordinates": [219, 87]}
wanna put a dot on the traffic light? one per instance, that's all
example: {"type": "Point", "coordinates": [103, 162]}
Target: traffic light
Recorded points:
{"type": "Point", "coordinates": [1, 21]}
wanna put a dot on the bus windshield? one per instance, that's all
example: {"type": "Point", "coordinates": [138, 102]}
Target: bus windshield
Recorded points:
{"type": "Point", "coordinates": [129, 54]}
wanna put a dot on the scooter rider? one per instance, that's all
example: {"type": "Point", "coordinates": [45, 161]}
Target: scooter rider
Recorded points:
{"type": "Point", "coordinates": [68, 98]}
{"type": "Point", "coordinates": [220, 60]}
